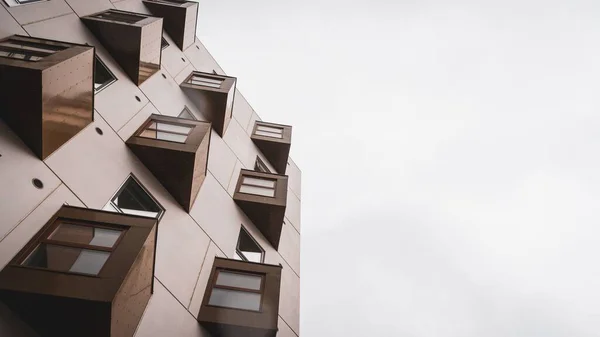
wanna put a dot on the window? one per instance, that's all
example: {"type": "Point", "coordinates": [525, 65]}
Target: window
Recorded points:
{"type": "Point", "coordinates": [12, 3]}
{"type": "Point", "coordinates": [163, 43]}
{"type": "Point", "coordinates": [260, 166]}
{"type": "Point", "coordinates": [119, 16]}
{"type": "Point", "coordinates": [237, 290]}
{"type": "Point", "coordinates": [269, 131]}
{"type": "Point", "coordinates": [102, 76]}
{"type": "Point", "coordinates": [258, 186]}
{"type": "Point", "coordinates": [29, 49]}
{"type": "Point", "coordinates": [74, 247]}
{"type": "Point", "coordinates": [247, 249]}
{"type": "Point", "coordinates": [187, 114]}
{"type": "Point", "coordinates": [133, 199]}
{"type": "Point", "coordinates": [171, 132]}
{"type": "Point", "coordinates": [206, 81]}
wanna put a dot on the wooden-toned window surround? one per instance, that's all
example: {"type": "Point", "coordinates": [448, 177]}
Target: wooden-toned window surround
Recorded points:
{"type": "Point", "coordinates": [274, 141]}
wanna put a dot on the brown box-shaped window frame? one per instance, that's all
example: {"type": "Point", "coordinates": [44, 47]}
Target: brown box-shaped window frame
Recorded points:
{"type": "Point", "coordinates": [230, 322]}
{"type": "Point", "coordinates": [276, 150]}
{"type": "Point", "coordinates": [180, 19]}
{"type": "Point", "coordinates": [180, 167]}
{"type": "Point", "coordinates": [56, 303]}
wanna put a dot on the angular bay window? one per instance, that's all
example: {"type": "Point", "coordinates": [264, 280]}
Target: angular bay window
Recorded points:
{"type": "Point", "coordinates": [175, 150]}
{"type": "Point", "coordinates": [241, 299]}
{"type": "Point", "coordinates": [133, 40]}
{"type": "Point", "coordinates": [46, 90]}
{"type": "Point", "coordinates": [248, 249]}
{"type": "Point", "coordinates": [85, 273]}
{"type": "Point", "coordinates": [263, 198]}
{"type": "Point", "coordinates": [103, 77]}
{"type": "Point", "coordinates": [133, 199]}
{"type": "Point", "coordinates": [274, 141]}
{"type": "Point", "coordinates": [213, 95]}
{"type": "Point", "coordinates": [180, 19]}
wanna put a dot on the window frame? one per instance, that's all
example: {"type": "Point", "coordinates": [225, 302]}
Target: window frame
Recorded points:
{"type": "Point", "coordinates": [105, 85]}
{"type": "Point", "coordinates": [274, 188]}
{"type": "Point", "coordinates": [239, 252]}
{"type": "Point", "coordinates": [164, 45]}
{"type": "Point", "coordinates": [214, 285]}
{"type": "Point", "coordinates": [158, 217]}
{"type": "Point", "coordinates": [260, 166]}
{"type": "Point", "coordinates": [114, 14]}
{"type": "Point", "coordinates": [43, 238]}
{"type": "Point", "coordinates": [149, 123]}
{"type": "Point", "coordinates": [189, 112]}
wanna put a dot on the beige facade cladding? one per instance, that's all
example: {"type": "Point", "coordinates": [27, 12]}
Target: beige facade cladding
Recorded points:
{"type": "Point", "coordinates": [89, 168]}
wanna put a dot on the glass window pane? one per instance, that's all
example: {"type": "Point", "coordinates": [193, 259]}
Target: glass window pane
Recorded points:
{"type": "Point", "coordinates": [259, 182]}
{"type": "Point", "coordinates": [132, 199]}
{"type": "Point", "coordinates": [234, 299]}
{"type": "Point", "coordinates": [246, 281]}
{"type": "Point", "coordinates": [62, 258]}
{"type": "Point", "coordinates": [271, 129]}
{"type": "Point", "coordinates": [163, 43]}
{"type": "Point", "coordinates": [182, 129]}
{"type": "Point", "coordinates": [249, 248]}
{"type": "Point", "coordinates": [187, 114]}
{"type": "Point", "coordinates": [268, 134]}
{"type": "Point", "coordinates": [266, 192]}
{"type": "Point", "coordinates": [102, 76]}
{"type": "Point", "coordinates": [86, 235]}
{"type": "Point", "coordinates": [206, 81]}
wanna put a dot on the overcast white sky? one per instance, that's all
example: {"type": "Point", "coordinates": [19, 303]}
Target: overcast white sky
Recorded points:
{"type": "Point", "coordinates": [449, 152]}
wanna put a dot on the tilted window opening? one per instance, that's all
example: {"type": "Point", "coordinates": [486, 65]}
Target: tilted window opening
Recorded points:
{"type": "Point", "coordinates": [164, 43]}
{"type": "Point", "coordinates": [260, 166]}
{"type": "Point", "coordinates": [206, 81]}
{"type": "Point", "coordinates": [248, 249]}
{"type": "Point", "coordinates": [187, 114]}
{"type": "Point", "coordinates": [236, 290]}
{"type": "Point", "coordinates": [258, 186]}
{"type": "Point", "coordinates": [103, 77]}
{"type": "Point", "coordinates": [133, 199]}
{"type": "Point", "coordinates": [12, 3]}
{"type": "Point", "coordinates": [170, 132]}
{"type": "Point", "coordinates": [120, 16]}
{"type": "Point", "coordinates": [269, 131]}
{"type": "Point", "coordinates": [74, 247]}
{"type": "Point", "coordinates": [29, 49]}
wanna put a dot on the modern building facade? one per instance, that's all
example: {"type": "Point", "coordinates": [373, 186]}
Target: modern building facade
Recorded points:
{"type": "Point", "coordinates": [140, 193]}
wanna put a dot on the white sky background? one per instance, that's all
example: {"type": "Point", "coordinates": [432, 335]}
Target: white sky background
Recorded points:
{"type": "Point", "coordinates": [449, 152]}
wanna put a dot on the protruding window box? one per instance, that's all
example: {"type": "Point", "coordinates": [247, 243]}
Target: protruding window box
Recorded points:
{"type": "Point", "coordinates": [263, 197]}
{"type": "Point", "coordinates": [85, 273]}
{"type": "Point", "coordinates": [274, 141]}
{"type": "Point", "coordinates": [133, 39]}
{"type": "Point", "coordinates": [241, 299]}
{"type": "Point", "coordinates": [175, 150]}
{"type": "Point", "coordinates": [213, 95]}
{"type": "Point", "coordinates": [179, 17]}
{"type": "Point", "coordinates": [46, 90]}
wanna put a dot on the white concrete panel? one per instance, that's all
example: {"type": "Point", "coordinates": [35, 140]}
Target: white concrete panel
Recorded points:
{"type": "Point", "coordinates": [235, 175]}
{"type": "Point", "coordinates": [167, 96]}
{"type": "Point", "coordinates": [87, 7]}
{"type": "Point", "coordinates": [201, 58]}
{"type": "Point", "coordinates": [9, 26]}
{"type": "Point", "coordinates": [250, 126]}
{"type": "Point", "coordinates": [118, 102]}
{"type": "Point", "coordinates": [217, 214]}
{"type": "Point", "coordinates": [133, 124]}
{"type": "Point", "coordinates": [173, 60]}
{"type": "Point", "coordinates": [294, 178]}
{"type": "Point", "coordinates": [27, 228]}
{"type": "Point", "coordinates": [184, 73]}
{"type": "Point", "coordinates": [212, 252]}
{"type": "Point", "coordinates": [241, 144]}
{"type": "Point", "coordinates": [180, 252]}
{"type": "Point", "coordinates": [164, 316]}
{"type": "Point", "coordinates": [292, 210]}
{"type": "Point", "coordinates": [289, 246]}
{"type": "Point", "coordinates": [39, 11]}
{"type": "Point", "coordinates": [284, 329]}
{"type": "Point", "coordinates": [18, 166]}
{"type": "Point", "coordinates": [221, 160]}
{"type": "Point", "coordinates": [135, 6]}
{"type": "Point", "coordinates": [289, 302]}
{"type": "Point", "coordinates": [242, 111]}
{"type": "Point", "coordinates": [12, 326]}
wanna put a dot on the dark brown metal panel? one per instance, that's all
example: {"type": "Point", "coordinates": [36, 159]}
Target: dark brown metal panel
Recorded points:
{"type": "Point", "coordinates": [276, 150]}
{"type": "Point", "coordinates": [180, 168]}
{"type": "Point", "coordinates": [136, 47]}
{"type": "Point", "coordinates": [267, 213]}
{"type": "Point", "coordinates": [216, 104]}
{"type": "Point", "coordinates": [179, 20]}
{"type": "Point", "coordinates": [225, 322]}
{"type": "Point", "coordinates": [49, 301]}
{"type": "Point", "coordinates": [49, 101]}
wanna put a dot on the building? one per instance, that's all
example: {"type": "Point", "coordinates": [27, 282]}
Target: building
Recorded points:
{"type": "Point", "coordinates": [140, 193]}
